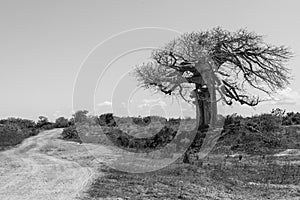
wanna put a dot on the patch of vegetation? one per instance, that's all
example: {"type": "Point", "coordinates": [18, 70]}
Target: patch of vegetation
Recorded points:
{"type": "Point", "coordinates": [62, 122]}
{"type": "Point", "coordinates": [45, 124]}
{"type": "Point", "coordinates": [260, 134]}
{"type": "Point", "coordinates": [252, 177]}
{"type": "Point", "coordinates": [124, 140]}
{"type": "Point", "coordinates": [291, 118]}
{"type": "Point", "coordinates": [132, 133]}
{"type": "Point", "coordinates": [71, 133]}
{"type": "Point", "coordinates": [162, 184]}
{"type": "Point", "coordinates": [107, 120]}
{"type": "Point", "coordinates": [233, 180]}
{"type": "Point", "coordinates": [14, 130]}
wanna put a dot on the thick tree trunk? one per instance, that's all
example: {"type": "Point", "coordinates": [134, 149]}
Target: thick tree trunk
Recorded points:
{"type": "Point", "coordinates": [207, 77]}
{"type": "Point", "coordinates": [206, 106]}
{"type": "Point", "coordinates": [214, 107]}
{"type": "Point", "coordinates": [203, 117]}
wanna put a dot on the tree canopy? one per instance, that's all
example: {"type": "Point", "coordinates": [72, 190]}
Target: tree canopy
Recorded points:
{"type": "Point", "coordinates": [229, 62]}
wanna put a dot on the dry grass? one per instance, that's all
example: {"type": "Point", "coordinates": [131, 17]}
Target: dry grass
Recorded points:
{"type": "Point", "coordinates": [250, 178]}
{"type": "Point", "coordinates": [254, 177]}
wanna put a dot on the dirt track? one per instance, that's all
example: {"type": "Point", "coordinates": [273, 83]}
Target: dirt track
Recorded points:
{"type": "Point", "coordinates": [45, 167]}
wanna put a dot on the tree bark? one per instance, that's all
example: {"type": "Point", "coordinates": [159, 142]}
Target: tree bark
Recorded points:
{"type": "Point", "coordinates": [214, 107]}
{"type": "Point", "coordinates": [203, 118]}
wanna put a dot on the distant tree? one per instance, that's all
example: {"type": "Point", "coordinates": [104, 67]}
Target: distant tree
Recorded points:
{"type": "Point", "coordinates": [72, 121]}
{"type": "Point", "coordinates": [42, 121]}
{"type": "Point", "coordinates": [80, 116]}
{"type": "Point", "coordinates": [70, 133]}
{"type": "Point", "coordinates": [205, 67]}
{"type": "Point", "coordinates": [61, 122]}
{"type": "Point", "coordinates": [107, 119]}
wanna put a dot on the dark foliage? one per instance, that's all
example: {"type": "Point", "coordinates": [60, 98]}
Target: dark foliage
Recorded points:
{"type": "Point", "coordinates": [253, 135]}
{"type": "Point", "coordinates": [22, 123]}
{"type": "Point", "coordinates": [14, 130]}
{"type": "Point", "coordinates": [107, 120]}
{"type": "Point", "coordinates": [80, 116]}
{"type": "Point", "coordinates": [61, 122]}
{"type": "Point", "coordinates": [291, 118]}
{"type": "Point", "coordinates": [44, 124]}
{"type": "Point", "coordinates": [159, 140]}
{"type": "Point", "coordinates": [141, 121]}
{"type": "Point", "coordinates": [70, 133]}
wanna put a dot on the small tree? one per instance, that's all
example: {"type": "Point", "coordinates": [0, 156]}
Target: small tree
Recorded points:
{"type": "Point", "coordinates": [61, 122]}
{"type": "Point", "coordinates": [43, 121]}
{"type": "Point", "coordinates": [200, 66]}
{"type": "Point", "coordinates": [80, 116]}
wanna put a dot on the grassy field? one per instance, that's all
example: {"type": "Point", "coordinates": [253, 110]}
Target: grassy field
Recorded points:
{"type": "Point", "coordinates": [212, 178]}
{"type": "Point", "coordinates": [265, 171]}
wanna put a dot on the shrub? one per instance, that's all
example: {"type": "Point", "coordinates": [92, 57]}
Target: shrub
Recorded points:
{"type": "Point", "coordinates": [252, 135]}
{"type": "Point", "coordinates": [10, 135]}
{"type": "Point", "coordinates": [107, 120]}
{"type": "Point", "coordinates": [80, 116]}
{"type": "Point", "coordinates": [61, 122]}
{"type": "Point", "coordinates": [22, 123]}
{"type": "Point", "coordinates": [42, 121]}
{"type": "Point", "coordinates": [70, 133]}
{"type": "Point", "coordinates": [265, 122]}
{"type": "Point", "coordinates": [122, 139]}
{"type": "Point", "coordinates": [14, 130]}
{"type": "Point", "coordinates": [142, 121]}
{"type": "Point", "coordinates": [71, 121]}
{"type": "Point", "coordinates": [137, 120]}
{"type": "Point", "coordinates": [291, 118]}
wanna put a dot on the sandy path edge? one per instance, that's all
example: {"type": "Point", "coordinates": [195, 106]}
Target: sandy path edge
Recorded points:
{"type": "Point", "coordinates": [45, 167]}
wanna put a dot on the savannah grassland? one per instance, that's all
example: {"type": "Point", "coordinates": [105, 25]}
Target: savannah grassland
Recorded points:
{"type": "Point", "coordinates": [269, 168]}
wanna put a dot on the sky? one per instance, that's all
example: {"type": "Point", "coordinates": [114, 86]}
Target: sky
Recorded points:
{"type": "Point", "coordinates": [58, 56]}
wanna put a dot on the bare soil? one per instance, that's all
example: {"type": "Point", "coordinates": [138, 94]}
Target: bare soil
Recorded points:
{"type": "Point", "coordinates": [46, 167]}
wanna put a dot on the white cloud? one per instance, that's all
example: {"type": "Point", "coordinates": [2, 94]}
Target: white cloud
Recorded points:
{"type": "Point", "coordinates": [152, 102]}
{"type": "Point", "coordinates": [105, 103]}
{"type": "Point", "coordinates": [286, 97]}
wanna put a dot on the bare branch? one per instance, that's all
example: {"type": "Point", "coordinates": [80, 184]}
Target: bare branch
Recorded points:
{"type": "Point", "coordinates": [240, 60]}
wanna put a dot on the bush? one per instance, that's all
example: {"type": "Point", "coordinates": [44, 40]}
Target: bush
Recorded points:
{"type": "Point", "coordinates": [291, 118]}
{"type": "Point", "coordinates": [70, 133]}
{"type": "Point", "coordinates": [252, 135]}
{"type": "Point", "coordinates": [61, 122]}
{"type": "Point", "coordinates": [107, 120]}
{"type": "Point", "coordinates": [122, 139]}
{"type": "Point", "coordinates": [10, 135]}
{"type": "Point", "coordinates": [142, 121]}
{"type": "Point", "coordinates": [80, 116]}
{"type": "Point", "coordinates": [14, 130]}
{"type": "Point", "coordinates": [265, 122]}
{"type": "Point", "coordinates": [22, 123]}
{"type": "Point", "coordinates": [173, 121]}
{"type": "Point", "coordinates": [42, 121]}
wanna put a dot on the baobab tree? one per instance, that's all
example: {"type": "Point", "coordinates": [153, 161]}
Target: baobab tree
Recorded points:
{"type": "Point", "coordinates": [216, 65]}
